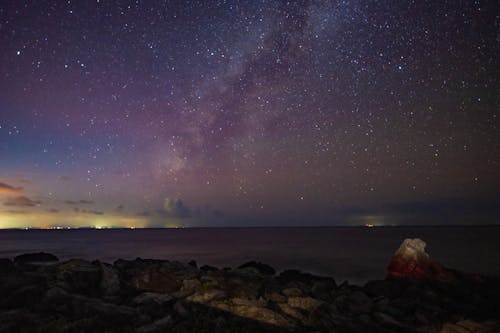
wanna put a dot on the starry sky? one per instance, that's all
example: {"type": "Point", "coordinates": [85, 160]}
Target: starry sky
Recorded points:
{"type": "Point", "coordinates": [233, 113]}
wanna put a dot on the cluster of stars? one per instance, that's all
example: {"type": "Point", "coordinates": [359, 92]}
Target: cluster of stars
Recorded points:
{"type": "Point", "coordinates": [264, 108]}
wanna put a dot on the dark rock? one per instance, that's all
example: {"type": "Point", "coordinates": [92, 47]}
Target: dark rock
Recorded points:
{"type": "Point", "coordinates": [260, 267]}
{"type": "Point", "coordinates": [160, 325]}
{"type": "Point", "coordinates": [323, 290]}
{"type": "Point", "coordinates": [6, 266]}
{"type": "Point", "coordinates": [40, 257]}
{"type": "Point", "coordinates": [80, 276]}
{"type": "Point", "coordinates": [110, 281]}
{"type": "Point", "coordinates": [389, 288]}
{"type": "Point", "coordinates": [358, 302]}
{"type": "Point", "coordinates": [208, 268]}
{"type": "Point", "coordinates": [155, 275]}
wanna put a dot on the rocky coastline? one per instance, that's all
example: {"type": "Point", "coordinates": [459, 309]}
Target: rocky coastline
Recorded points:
{"type": "Point", "coordinates": [39, 293]}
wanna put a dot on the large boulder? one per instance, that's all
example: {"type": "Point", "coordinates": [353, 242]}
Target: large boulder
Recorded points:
{"type": "Point", "coordinates": [160, 276]}
{"type": "Point", "coordinates": [259, 267]}
{"type": "Point", "coordinates": [30, 258]}
{"type": "Point", "coordinates": [412, 262]}
{"type": "Point", "coordinates": [79, 276]}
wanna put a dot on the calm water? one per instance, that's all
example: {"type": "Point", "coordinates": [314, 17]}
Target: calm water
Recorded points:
{"type": "Point", "coordinates": [354, 254]}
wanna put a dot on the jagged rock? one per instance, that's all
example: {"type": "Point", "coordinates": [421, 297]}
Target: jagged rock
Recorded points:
{"type": "Point", "coordinates": [148, 297]}
{"type": "Point", "coordinates": [388, 320]}
{"type": "Point", "coordinates": [292, 292]}
{"type": "Point", "coordinates": [208, 268]}
{"type": "Point", "coordinates": [40, 257]}
{"type": "Point", "coordinates": [106, 311]}
{"type": "Point", "coordinates": [292, 312]}
{"type": "Point", "coordinates": [260, 303]}
{"type": "Point", "coordinates": [259, 267]}
{"type": "Point", "coordinates": [323, 290]}
{"type": "Point", "coordinates": [412, 262]}
{"type": "Point", "coordinates": [110, 280]}
{"type": "Point", "coordinates": [6, 266]}
{"type": "Point", "coordinates": [356, 302]}
{"type": "Point", "coordinates": [305, 303]}
{"type": "Point", "coordinates": [155, 275]}
{"type": "Point", "coordinates": [79, 276]}
{"type": "Point", "coordinates": [180, 308]}
{"type": "Point", "coordinates": [469, 326]}
{"type": "Point", "coordinates": [159, 325]}
{"type": "Point", "coordinates": [261, 314]}
{"type": "Point", "coordinates": [190, 285]}
{"type": "Point", "coordinates": [207, 296]}
{"type": "Point", "coordinates": [275, 297]}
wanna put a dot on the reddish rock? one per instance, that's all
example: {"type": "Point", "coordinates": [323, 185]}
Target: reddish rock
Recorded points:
{"type": "Point", "coordinates": [412, 262]}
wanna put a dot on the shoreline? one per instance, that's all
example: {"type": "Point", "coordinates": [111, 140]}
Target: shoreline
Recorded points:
{"type": "Point", "coordinates": [41, 293]}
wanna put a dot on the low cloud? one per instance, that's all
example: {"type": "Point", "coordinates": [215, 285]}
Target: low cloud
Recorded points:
{"type": "Point", "coordinates": [21, 201]}
{"type": "Point", "coordinates": [79, 202]}
{"type": "Point", "coordinates": [7, 189]}
{"type": "Point", "coordinates": [174, 208]}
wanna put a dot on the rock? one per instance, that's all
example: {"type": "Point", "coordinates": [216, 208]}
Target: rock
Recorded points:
{"type": "Point", "coordinates": [387, 320]}
{"type": "Point", "coordinates": [206, 296]}
{"type": "Point", "coordinates": [389, 288]}
{"type": "Point", "coordinates": [110, 281]}
{"type": "Point", "coordinates": [155, 275]}
{"type": "Point", "coordinates": [79, 276]}
{"type": "Point", "coordinates": [469, 326]}
{"type": "Point", "coordinates": [208, 268]}
{"type": "Point", "coordinates": [292, 312]}
{"type": "Point", "coordinates": [148, 297]}
{"type": "Point", "coordinates": [275, 297]}
{"type": "Point", "coordinates": [292, 292]}
{"type": "Point", "coordinates": [190, 285]}
{"type": "Point", "coordinates": [358, 302]}
{"type": "Point", "coordinates": [263, 315]}
{"type": "Point", "coordinates": [23, 296]}
{"type": "Point", "coordinates": [180, 308]}
{"type": "Point", "coordinates": [323, 290]}
{"type": "Point", "coordinates": [30, 258]}
{"type": "Point", "coordinates": [6, 266]}
{"type": "Point", "coordinates": [412, 262]}
{"type": "Point", "coordinates": [259, 267]}
{"type": "Point", "coordinates": [159, 325]}
{"type": "Point", "coordinates": [305, 303]}
{"type": "Point", "coordinates": [260, 303]}
{"type": "Point", "coordinates": [107, 311]}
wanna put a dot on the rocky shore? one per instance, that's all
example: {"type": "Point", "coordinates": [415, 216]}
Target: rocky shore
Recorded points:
{"type": "Point", "coordinates": [39, 293]}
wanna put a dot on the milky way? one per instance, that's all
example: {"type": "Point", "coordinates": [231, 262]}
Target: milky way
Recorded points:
{"type": "Point", "coordinates": [248, 113]}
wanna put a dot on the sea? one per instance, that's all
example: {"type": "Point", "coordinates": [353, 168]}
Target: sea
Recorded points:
{"type": "Point", "coordinates": [353, 254]}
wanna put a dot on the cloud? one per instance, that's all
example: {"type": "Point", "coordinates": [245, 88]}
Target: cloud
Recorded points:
{"type": "Point", "coordinates": [82, 202]}
{"type": "Point", "coordinates": [120, 208]}
{"type": "Point", "coordinates": [21, 201]}
{"type": "Point", "coordinates": [144, 214]}
{"type": "Point", "coordinates": [7, 189]}
{"type": "Point", "coordinates": [174, 208]}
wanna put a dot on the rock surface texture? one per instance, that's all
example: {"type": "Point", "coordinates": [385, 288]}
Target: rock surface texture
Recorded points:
{"type": "Point", "coordinates": [42, 294]}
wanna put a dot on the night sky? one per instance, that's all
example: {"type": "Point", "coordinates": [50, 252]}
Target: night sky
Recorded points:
{"type": "Point", "coordinates": [231, 113]}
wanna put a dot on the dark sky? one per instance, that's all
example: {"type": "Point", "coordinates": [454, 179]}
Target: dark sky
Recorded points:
{"type": "Point", "coordinates": [191, 113]}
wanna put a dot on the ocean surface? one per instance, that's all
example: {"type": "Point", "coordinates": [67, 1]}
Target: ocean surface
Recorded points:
{"type": "Point", "coordinates": [353, 254]}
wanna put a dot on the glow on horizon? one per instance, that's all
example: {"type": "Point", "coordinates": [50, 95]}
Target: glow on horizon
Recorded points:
{"type": "Point", "coordinates": [45, 220]}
